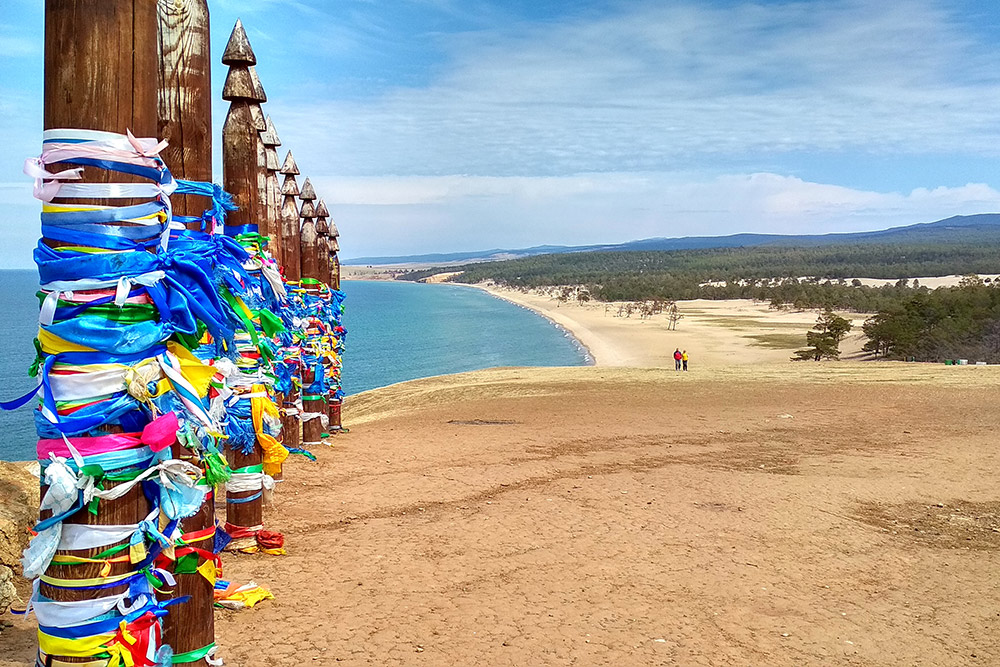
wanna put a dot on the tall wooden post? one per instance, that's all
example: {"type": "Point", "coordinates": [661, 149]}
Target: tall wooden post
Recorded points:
{"type": "Point", "coordinates": [272, 189]}
{"type": "Point", "coordinates": [184, 103]}
{"type": "Point", "coordinates": [242, 174]}
{"type": "Point", "coordinates": [312, 405]}
{"type": "Point", "coordinates": [290, 235]}
{"type": "Point", "coordinates": [334, 256]}
{"type": "Point", "coordinates": [323, 249]}
{"type": "Point", "coordinates": [184, 118]}
{"type": "Point", "coordinates": [310, 240]}
{"type": "Point", "coordinates": [100, 74]}
{"type": "Point", "coordinates": [241, 142]}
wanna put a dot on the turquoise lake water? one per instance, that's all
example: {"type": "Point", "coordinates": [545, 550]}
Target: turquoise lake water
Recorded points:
{"type": "Point", "coordinates": [396, 331]}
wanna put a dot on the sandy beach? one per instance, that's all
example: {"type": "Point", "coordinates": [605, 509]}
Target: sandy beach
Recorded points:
{"type": "Point", "coordinates": [716, 334]}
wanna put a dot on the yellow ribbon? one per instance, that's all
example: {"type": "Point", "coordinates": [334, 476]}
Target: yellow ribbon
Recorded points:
{"type": "Point", "coordinates": [274, 451]}
{"type": "Point", "coordinates": [209, 571]}
{"type": "Point", "coordinates": [78, 647]}
{"type": "Point", "coordinates": [79, 583]}
{"type": "Point", "coordinates": [192, 368]}
{"type": "Point", "coordinates": [62, 559]}
{"type": "Point", "coordinates": [53, 344]}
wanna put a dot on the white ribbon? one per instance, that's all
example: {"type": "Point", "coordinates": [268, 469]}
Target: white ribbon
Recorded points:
{"type": "Point", "coordinates": [88, 384]}
{"type": "Point", "coordinates": [80, 612]}
{"type": "Point", "coordinates": [241, 482]}
{"type": "Point", "coordinates": [145, 279]}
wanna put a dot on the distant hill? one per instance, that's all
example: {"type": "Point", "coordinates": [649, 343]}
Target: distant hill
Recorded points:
{"type": "Point", "coordinates": [446, 258]}
{"type": "Point", "coordinates": [984, 227]}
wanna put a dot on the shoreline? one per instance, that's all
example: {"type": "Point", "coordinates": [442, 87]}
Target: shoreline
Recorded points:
{"type": "Point", "coordinates": [588, 354]}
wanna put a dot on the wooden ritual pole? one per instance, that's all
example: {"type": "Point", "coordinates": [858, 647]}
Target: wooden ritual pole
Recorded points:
{"type": "Point", "coordinates": [241, 146]}
{"type": "Point", "coordinates": [184, 103]}
{"type": "Point", "coordinates": [289, 214]}
{"type": "Point", "coordinates": [312, 405]}
{"type": "Point", "coordinates": [272, 189]}
{"type": "Point", "coordinates": [100, 74]}
{"type": "Point", "coordinates": [334, 256]}
{"type": "Point", "coordinates": [184, 113]}
{"type": "Point", "coordinates": [288, 218]}
{"type": "Point", "coordinates": [333, 404]}
{"type": "Point", "coordinates": [264, 223]}
{"type": "Point", "coordinates": [309, 242]}
{"type": "Point", "coordinates": [323, 242]}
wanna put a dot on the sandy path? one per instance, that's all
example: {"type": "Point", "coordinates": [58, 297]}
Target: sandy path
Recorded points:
{"type": "Point", "coordinates": [637, 517]}
{"type": "Point", "coordinates": [716, 334]}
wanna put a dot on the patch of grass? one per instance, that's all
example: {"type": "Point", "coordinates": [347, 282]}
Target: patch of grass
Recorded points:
{"type": "Point", "coordinates": [737, 322]}
{"type": "Point", "coordinates": [779, 341]}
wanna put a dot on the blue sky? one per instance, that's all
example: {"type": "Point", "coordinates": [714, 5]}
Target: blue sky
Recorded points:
{"type": "Point", "coordinates": [440, 125]}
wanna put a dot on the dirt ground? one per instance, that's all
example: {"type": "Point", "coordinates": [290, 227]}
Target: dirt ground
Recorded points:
{"type": "Point", "coordinates": [835, 514]}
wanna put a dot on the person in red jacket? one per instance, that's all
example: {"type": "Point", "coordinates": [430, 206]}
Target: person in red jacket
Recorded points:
{"type": "Point", "coordinates": [677, 359]}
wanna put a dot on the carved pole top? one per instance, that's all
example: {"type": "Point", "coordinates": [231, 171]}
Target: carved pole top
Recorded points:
{"type": "Point", "coordinates": [321, 210]}
{"type": "Point", "coordinates": [288, 167]}
{"type": "Point", "coordinates": [308, 193]}
{"type": "Point", "coordinates": [238, 50]}
{"type": "Point", "coordinates": [334, 232]}
{"type": "Point", "coordinates": [270, 136]}
{"type": "Point", "coordinates": [258, 87]}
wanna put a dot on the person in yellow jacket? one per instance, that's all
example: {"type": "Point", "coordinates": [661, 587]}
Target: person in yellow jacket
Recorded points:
{"type": "Point", "coordinates": [684, 359]}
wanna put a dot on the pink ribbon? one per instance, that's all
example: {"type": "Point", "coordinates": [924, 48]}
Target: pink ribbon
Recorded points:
{"type": "Point", "coordinates": [158, 435]}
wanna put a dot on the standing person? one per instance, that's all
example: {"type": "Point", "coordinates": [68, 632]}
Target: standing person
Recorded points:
{"type": "Point", "coordinates": [677, 359]}
{"type": "Point", "coordinates": [684, 359]}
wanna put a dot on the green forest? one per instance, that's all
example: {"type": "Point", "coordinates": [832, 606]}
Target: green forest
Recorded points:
{"type": "Point", "coordinates": [908, 320]}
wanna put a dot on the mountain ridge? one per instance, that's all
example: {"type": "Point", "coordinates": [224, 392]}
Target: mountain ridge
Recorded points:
{"type": "Point", "coordinates": [948, 230]}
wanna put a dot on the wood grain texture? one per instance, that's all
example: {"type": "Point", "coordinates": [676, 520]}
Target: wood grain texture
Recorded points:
{"type": "Point", "coordinates": [100, 73]}
{"type": "Point", "coordinates": [289, 218]}
{"type": "Point", "coordinates": [309, 241]}
{"type": "Point", "coordinates": [184, 119]}
{"type": "Point", "coordinates": [270, 139]}
{"type": "Point", "coordinates": [238, 50]}
{"type": "Point", "coordinates": [251, 513]}
{"type": "Point", "coordinates": [184, 102]}
{"type": "Point", "coordinates": [239, 163]}
{"type": "Point", "coordinates": [310, 248]}
{"type": "Point", "coordinates": [323, 243]}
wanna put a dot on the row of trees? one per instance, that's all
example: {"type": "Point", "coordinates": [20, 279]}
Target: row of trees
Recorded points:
{"type": "Point", "coordinates": [909, 321]}
{"type": "Point", "coordinates": [959, 322]}
{"type": "Point", "coordinates": [634, 275]}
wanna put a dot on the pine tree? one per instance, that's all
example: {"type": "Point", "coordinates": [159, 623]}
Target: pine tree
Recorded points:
{"type": "Point", "coordinates": [823, 342]}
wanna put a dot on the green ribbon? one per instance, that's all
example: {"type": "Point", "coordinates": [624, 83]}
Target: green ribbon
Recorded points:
{"type": "Point", "coordinates": [193, 656]}
{"type": "Point", "coordinates": [270, 323]}
{"type": "Point", "coordinates": [216, 469]}
{"type": "Point", "coordinates": [187, 564]}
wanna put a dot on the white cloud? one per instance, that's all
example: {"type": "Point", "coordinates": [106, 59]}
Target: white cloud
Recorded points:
{"type": "Point", "coordinates": [658, 87]}
{"type": "Point", "coordinates": [408, 215]}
